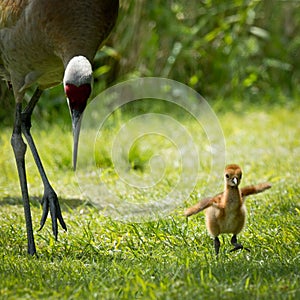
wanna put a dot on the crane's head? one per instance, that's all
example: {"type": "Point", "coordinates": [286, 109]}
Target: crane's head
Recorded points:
{"type": "Point", "coordinates": [77, 82]}
{"type": "Point", "coordinates": [232, 175]}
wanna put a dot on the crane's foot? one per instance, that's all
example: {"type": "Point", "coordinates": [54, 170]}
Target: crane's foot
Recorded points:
{"type": "Point", "coordinates": [236, 245]}
{"type": "Point", "coordinates": [50, 203]}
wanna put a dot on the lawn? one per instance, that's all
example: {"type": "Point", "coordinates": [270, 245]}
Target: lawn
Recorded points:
{"type": "Point", "coordinates": [105, 256]}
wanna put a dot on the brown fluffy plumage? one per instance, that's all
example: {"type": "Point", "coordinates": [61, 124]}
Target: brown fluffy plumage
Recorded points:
{"type": "Point", "coordinates": [226, 212]}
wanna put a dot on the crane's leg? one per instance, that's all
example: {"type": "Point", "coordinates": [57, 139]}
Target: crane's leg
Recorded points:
{"type": "Point", "coordinates": [19, 148]}
{"type": "Point", "coordinates": [49, 200]}
{"type": "Point", "coordinates": [236, 245]}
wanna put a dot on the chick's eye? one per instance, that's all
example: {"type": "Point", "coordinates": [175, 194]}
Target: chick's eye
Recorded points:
{"type": "Point", "coordinates": [227, 176]}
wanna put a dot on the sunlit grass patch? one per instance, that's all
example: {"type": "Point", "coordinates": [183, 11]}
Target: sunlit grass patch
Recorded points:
{"type": "Point", "coordinates": [100, 257]}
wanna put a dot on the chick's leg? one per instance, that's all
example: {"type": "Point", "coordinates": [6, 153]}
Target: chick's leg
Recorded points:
{"type": "Point", "coordinates": [236, 245]}
{"type": "Point", "coordinates": [217, 245]}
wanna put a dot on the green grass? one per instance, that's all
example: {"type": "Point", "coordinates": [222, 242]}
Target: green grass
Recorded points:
{"type": "Point", "coordinates": [169, 258]}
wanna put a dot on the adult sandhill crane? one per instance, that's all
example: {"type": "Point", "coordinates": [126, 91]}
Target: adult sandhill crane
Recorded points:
{"type": "Point", "coordinates": [41, 42]}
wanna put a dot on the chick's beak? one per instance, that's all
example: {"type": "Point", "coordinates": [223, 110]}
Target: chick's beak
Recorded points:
{"type": "Point", "coordinates": [235, 180]}
{"type": "Point", "coordinates": [76, 124]}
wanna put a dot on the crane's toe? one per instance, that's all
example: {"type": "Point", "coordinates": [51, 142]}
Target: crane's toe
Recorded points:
{"type": "Point", "coordinates": [50, 203]}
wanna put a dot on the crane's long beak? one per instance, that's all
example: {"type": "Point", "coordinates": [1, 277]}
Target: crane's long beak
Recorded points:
{"type": "Point", "coordinates": [76, 123]}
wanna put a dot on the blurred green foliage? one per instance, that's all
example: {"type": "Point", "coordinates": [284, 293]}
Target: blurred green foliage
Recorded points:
{"type": "Point", "coordinates": [220, 48]}
{"type": "Point", "coordinates": [246, 50]}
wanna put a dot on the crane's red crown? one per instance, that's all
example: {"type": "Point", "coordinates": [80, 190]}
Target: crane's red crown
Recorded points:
{"type": "Point", "coordinates": [78, 95]}
{"type": "Point", "coordinates": [78, 81]}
